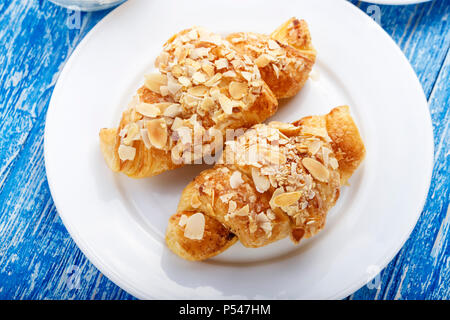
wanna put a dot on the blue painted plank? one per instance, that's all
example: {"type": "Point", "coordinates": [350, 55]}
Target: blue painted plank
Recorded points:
{"type": "Point", "coordinates": [39, 260]}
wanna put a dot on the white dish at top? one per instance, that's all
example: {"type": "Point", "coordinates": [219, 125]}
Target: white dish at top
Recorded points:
{"type": "Point", "coordinates": [119, 223]}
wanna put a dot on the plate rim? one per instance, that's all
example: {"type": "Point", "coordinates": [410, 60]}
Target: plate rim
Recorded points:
{"type": "Point", "coordinates": [111, 274]}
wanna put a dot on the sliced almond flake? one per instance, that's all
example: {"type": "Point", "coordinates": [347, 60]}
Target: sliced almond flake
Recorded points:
{"type": "Point", "coordinates": [213, 81]}
{"type": "Point", "coordinates": [132, 134]}
{"type": "Point", "coordinates": [164, 90]}
{"type": "Point", "coordinates": [262, 218]}
{"type": "Point", "coordinates": [320, 132]}
{"type": "Point", "coordinates": [199, 52]}
{"type": "Point", "coordinates": [230, 74]}
{"type": "Point", "coordinates": [242, 212]}
{"type": "Point", "coordinates": [270, 214]}
{"type": "Point", "coordinates": [286, 199]}
{"type": "Point", "coordinates": [195, 226]}
{"type": "Point", "coordinates": [192, 34]}
{"type": "Point", "coordinates": [184, 81]}
{"type": "Point", "coordinates": [209, 69]}
{"type": "Point", "coordinates": [154, 81]}
{"type": "Point", "coordinates": [285, 128]}
{"type": "Point", "coordinates": [247, 75]}
{"type": "Point", "coordinates": [237, 64]}
{"type": "Point", "coordinates": [183, 220]}
{"type": "Point", "coordinates": [247, 59]}
{"type": "Point", "coordinates": [276, 193]}
{"type": "Point", "coordinates": [334, 163]}
{"type": "Point", "coordinates": [230, 56]}
{"type": "Point", "coordinates": [145, 139]}
{"type": "Point", "coordinates": [326, 155]}
{"type": "Point", "coordinates": [207, 103]}
{"type": "Point", "coordinates": [237, 89]}
{"type": "Point", "coordinates": [262, 183]}
{"type": "Point", "coordinates": [221, 63]}
{"type": "Point", "coordinates": [263, 60]}
{"type": "Point", "coordinates": [236, 179]}
{"type": "Point", "coordinates": [173, 86]}
{"type": "Point", "coordinates": [198, 91]}
{"type": "Point", "coordinates": [273, 157]}
{"type": "Point", "coordinates": [226, 104]}
{"type": "Point", "coordinates": [177, 123]}
{"type": "Point", "coordinates": [126, 152]}
{"type": "Point", "coordinates": [157, 133]}
{"type": "Point", "coordinates": [273, 181]}
{"type": "Point", "coordinates": [177, 71]}
{"type": "Point", "coordinates": [314, 147]}
{"type": "Point", "coordinates": [181, 53]}
{"type": "Point", "coordinates": [173, 110]}
{"type": "Point", "coordinates": [199, 77]}
{"type": "Point", "coordinates": [226, 197]}
{"type": "Point", "coordinates": [237, 40]}
{"type": "Point", "coordinates": [317, 170]}
{"type": "Point", "coordinates": [150, 110]}
{"type": "Point", "coordinates": [264, 223]}
{"type": "Point", "coordinates": [273, 45]}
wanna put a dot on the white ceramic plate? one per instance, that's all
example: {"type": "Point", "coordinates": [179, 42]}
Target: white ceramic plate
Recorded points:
{"type": "Point", "coordinates": [119, 223]}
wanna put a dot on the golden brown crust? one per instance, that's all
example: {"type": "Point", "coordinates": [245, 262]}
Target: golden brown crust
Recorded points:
{"type": "Point", "coordinates": [292, 56]}
{"type": "Point", "coordinates": [216, 239]}
{"type": "Point", "coordinates": [295, 33]}
{"type": "Point", "coordinates": [318, 140]}
{"type": "Point", "coordinates": [346, 139]}
{"type": "Point", "coordinates": [236, 97]}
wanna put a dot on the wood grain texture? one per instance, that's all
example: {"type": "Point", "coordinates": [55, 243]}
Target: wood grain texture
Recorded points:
{"type": "Point", "coordinates": [39, 260]}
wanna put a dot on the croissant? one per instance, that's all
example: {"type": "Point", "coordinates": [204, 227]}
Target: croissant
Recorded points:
{"type": "Point", "coordinates": [276, 180]}
{"type": "Point", "coordinates": [205, 86]}
{"type": "Point", "coordinates": [285, 58]}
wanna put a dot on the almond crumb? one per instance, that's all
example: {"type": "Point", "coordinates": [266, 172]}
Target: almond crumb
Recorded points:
{"type": "Point", "coordinates": [262, 183]}
{"type": "Point", "coordinates": [154, 81]}
{"type": "Point", "coordinates": [195, 226]}
{"type": "Point", "coordinates": [286, 199]}
{"type": "Point", "coordinates": [262, 61]}
{"type": "Point", "coordinates": [237, 89]}
{"type": "Point", "coordinates": [126, 152]}
{"type": "Point", "coordinates": [316, 169]}
{"type": "Point", "coordinates": [183, 220]}
{"type": "Point", "coordinates": [157, 132]}
{"type": "Point", "coordinates": [236, 179]}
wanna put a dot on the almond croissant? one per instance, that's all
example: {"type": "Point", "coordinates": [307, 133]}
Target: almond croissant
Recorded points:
{"type": "Point", "coordinates": [206, 85]}
{"type": "Point", "coordinates": [276, 180]}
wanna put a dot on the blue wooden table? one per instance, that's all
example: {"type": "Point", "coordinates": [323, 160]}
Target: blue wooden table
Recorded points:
{"type": "Point", "coordinates": [39, 260]}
